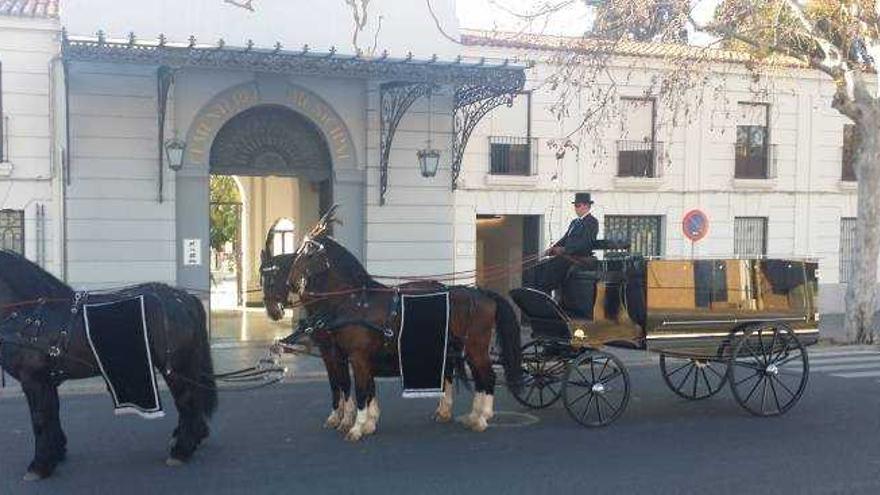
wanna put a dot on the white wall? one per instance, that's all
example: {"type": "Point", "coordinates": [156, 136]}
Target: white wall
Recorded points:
{"type": "Point", "coordinates": [29, 177]}
{"type": "Point", "coordinates": [406, 25]}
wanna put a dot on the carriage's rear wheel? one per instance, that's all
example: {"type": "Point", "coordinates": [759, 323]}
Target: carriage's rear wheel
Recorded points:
{"type": "Point", "coordinates": [768, 369]}
{"type": "Point", "coordinates": [692, 378]}
{"type": "Point", "coordinates": [596, 388]}
{"type": "Point", "coordinates": [543, 372]}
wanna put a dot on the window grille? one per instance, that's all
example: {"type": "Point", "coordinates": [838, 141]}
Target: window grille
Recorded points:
{"type": "Point", "coordinates": [847, 249]}
{"type": "Point", "coordinates": [12, 230]}
{"type": "Point", "coordinates": [749, 236]}
{"type": "Point", "coordinates": [642, 232]}
{"type": "Point", "coordinates": [510, 155]}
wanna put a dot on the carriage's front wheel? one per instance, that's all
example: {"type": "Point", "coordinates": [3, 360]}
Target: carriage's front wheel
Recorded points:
{"type": "Point", "coordinates": [691, 378]}
{"type": "Point", "coordinates": [543, 372]}
{"type": "Point", "coordinates": [768, 369]}
{"type": "Point", "coordinates": [596, 388]}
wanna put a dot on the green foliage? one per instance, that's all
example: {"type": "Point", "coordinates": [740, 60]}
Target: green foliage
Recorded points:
{"type": "Point", "coordinates": [225, 210]}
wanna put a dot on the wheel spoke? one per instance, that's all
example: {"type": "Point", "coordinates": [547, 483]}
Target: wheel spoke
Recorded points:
{"type": "Point", "coordinates": [611, 377]}
{"type": "Point", "coordinates": [587, 408]}
{"type": "Point", "coordinates": [610, 406]}
{"type": "Point", "coordinates": [696, 379]}
{"type": "Point", "coordinates": [602, 371]}
{"type": "Point", "coordinates": [787, 360]}
{"type": "Point", "coordinates": [763, 394]}
{"type": "Point", "coordinates": [588, 392]}
{"type": "Point", "coordinates": [755, 387]}
{"type": "Point", "coordinates": [706, 380]}
{"type": "Point", "coordinates": [775, 397]}
{"type": "Point", "coordinates": [784, 386]}
{"type": "Point", "coordinates": [713, 370]}
{"type": "Point", "coordinates": [747, 378]}
{"type": "Point", "coordinates": [599, 410]}
{"type": "Point", "coordinates": [685, 365]}
{"type": "Point", "coordinates": [684, 380]}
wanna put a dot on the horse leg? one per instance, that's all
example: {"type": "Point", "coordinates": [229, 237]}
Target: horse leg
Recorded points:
{"type": "Point", "coordinates": [443, 414]}
{"type": "Point", "coordinates": [49, 440]}
{"type": "Point", "coordinates": [365, 392]}
{"type": "Point", "coordinates": [484, 388]}
{"type": "Point", "coordinates": [340, 386]}
{"type": "Point", "coordinates": [186, 436]}
{"type": "Point", "coordinates": [349, 409]}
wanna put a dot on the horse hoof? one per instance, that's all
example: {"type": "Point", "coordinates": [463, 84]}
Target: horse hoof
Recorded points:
{"type": "Point", "coordinates": [442, 417]}
{"type": "Point", "coordinates": [332, 423]}
{"type": "Point", "coordinates": [32, 476]}
{"type": "Point", "coordinates": [353, 436]}
{"type": "Point", "coordinates": [173, 462]}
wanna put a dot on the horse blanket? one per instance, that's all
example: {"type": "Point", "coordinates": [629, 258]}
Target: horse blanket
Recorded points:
{"type": "Point", "coordinates": [117, 334]}
{"type": "Point", "coordinates": [422, 343]}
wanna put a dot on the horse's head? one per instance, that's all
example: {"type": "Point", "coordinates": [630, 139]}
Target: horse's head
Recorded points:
{"type": "Point", "coordinates": [285, 273]}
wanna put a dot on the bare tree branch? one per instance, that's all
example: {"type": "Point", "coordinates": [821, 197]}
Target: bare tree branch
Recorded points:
{"type": "Point", "coordinates": [244, 4]}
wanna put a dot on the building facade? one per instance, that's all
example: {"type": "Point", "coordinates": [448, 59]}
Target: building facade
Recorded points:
{"type": "Point", "coordinates": [768, 163]}
{"type": "Point", "coordinates": [301, 120]}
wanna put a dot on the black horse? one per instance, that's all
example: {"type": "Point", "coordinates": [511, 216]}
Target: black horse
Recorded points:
{"type": "Point", "coordinates": [43, 343]}
{"type": "Point", "coordinates": [332, 284]}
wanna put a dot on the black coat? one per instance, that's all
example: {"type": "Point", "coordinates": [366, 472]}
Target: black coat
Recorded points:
{"type": "Point", "coordinates": [581, 236]}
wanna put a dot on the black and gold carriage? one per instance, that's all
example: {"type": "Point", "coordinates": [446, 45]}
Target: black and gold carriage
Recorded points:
{"type": "Point", "coordinates": [738, 322]}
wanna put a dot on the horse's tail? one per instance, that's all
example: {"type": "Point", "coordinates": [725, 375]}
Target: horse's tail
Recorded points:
{"type": "Point", "coordinates": [207, 386]}
{"type": "Point", "coordinates": [509, 337]}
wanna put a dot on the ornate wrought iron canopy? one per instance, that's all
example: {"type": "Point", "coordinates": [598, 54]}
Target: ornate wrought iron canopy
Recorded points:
{"type": "Point", "coordinates": [278, 60]}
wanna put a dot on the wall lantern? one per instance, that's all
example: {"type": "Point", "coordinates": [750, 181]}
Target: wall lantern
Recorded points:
{"type": "Point", "coordinates": [429, 161]}
{"type": "Point", "coordinates": [429, 158]}
{"type": "Point", "coordinates": [174, 149]}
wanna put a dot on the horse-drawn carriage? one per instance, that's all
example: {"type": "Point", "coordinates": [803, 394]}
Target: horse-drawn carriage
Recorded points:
{"type": "Point", "coordinates": [742, 322]}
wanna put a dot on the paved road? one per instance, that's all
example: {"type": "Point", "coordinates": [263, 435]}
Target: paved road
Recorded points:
{"type": "Point", "coordinates": [270, 441]}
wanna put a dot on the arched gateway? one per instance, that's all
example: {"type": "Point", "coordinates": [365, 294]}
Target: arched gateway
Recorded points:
{"type": "Point", "coordinates": [283, 142]}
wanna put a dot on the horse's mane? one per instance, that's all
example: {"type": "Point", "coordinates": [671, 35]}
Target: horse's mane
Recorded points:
{"type": "Point", "coordinates": [27, 279]}
{"type": "Point", "coordinates": [348, 266]}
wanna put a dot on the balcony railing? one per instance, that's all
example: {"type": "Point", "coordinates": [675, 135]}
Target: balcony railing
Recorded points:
{"type": "Point", "coordinates": [511, 155]}
{"type": "Point", "coordinates": [755, 162]}
{"type": "Point", "coordinates": [639, 158]}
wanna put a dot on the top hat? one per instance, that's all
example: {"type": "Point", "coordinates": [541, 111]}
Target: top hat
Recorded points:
{"type": "Point", "coordinates": [582, 198]}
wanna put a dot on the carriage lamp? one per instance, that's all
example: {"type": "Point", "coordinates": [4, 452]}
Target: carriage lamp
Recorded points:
{"type": "Point", "coordinates": [429, 158]}
{"type": "Point", "coordinates": [429, 161]}
{"type": "Point", "coordinates": [174, 149]}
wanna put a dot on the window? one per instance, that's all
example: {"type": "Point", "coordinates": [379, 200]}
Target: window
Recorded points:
{"type": "Point", "coordinates": [12, 230]}
{"type": "Point", "coordinates": [282, 237]}
{"type": "Point", "coordinates": [642, 232]}
{"type": "Point", "coordinates": [848, 172]}
{"type": "Point", "coordinates": [512, 151]}
{"type": "Point", "coordinates": [510, 155]}
{"type": "Point", "coordinates": [752, 142]}
{"type": "Point", "coordinates": [637, 151]}
{"type": "Point", "coordinates": [847, 248]}
{"type": "Point", "coordinates": [749, 236]}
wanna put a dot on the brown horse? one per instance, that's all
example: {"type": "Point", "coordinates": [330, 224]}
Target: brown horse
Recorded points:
{"type": "Point", "coordinates": [43, 343]}
{"type": "Point", "coordinates": [333, 286]}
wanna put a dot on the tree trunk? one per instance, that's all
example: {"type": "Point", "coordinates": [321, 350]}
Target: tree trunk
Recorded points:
{"type": "Point", "coordinates": [861, 292]}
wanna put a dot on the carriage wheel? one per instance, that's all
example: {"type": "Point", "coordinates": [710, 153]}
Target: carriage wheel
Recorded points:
{"type": "Point", "coordinates": [543, 373]}
{"type": "Point", "coordinates": [768, 369]}
{"type": "Point", "coordinates": [596, 388]}
{"type": "Point", "coordinates": [691, 378]}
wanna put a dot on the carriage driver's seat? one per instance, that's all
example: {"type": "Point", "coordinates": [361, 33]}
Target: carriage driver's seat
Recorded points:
{"type": "Point", "coordinates": [579, 287]}
{"type": "Point", "coordinates": [544, 314]}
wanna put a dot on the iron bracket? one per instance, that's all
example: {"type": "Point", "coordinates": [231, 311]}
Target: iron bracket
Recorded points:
{"type": "Point", "coordinates": [395, 98]}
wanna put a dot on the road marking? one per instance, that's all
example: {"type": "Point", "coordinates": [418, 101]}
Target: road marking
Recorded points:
{"type": "Point", "coordinates": [858, 374]}
{"type": "Point", "coordinates": [822, 354]}
{"type": "Point", "coordinates": [846, 367]}
{"type": "Point", "coordinates": [846, 360]}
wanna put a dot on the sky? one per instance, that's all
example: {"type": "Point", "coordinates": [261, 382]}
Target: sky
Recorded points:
{"type": "Point", "coordinates": [571, 21]}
